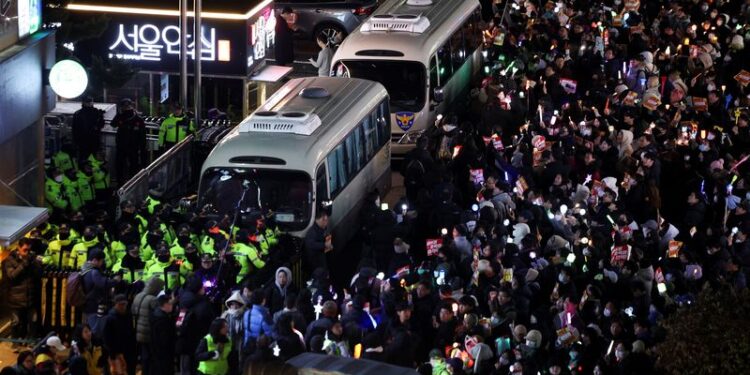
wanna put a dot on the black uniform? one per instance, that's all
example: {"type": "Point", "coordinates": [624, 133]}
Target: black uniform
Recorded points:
{"type": "Point", "coordinates": [131, 144]}
{"type": "Point", "coordinates": [87, 125]}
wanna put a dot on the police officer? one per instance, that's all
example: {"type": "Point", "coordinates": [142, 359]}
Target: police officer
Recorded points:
{"type": "Point", "coordinates": [175, 128]}
{"type": "Point", "coordinates": [267, 237]}
{"type": "Point", "coordinates": [180, 243]}
{"type": "Point", "coordinates": [213, 238]}
{"type": "Point", "coordinates": [62, 159]}
{"type": "Point", "coordinates": [58, 250]}
{"type": "Point", "coordinates": [53, 191]}
{"type": "Point", "coordinates": [152, 203]}
{"type": "Point", "coordinates": [130, 265]}
{"type": "Point", "coordinates": [128, 215]}
{"type": "Point", "coordinates": [80, 250]}
{"type": "Point", "coordinates": [150, 242]}
{"type": "Point", "coordinates": [165, 268]}
{"type": "Point", "coordinates": [84, 184]}
{"type": "Point", "coordinates": [87, 125]}
{"type": "Point", "coordinates": [131, 141]}
{"type": "Point", "coordinates": [100, 176]}
{"type": "Point", "coordinates": [70, 189]}
{"type": "Point", "coordinates": [246, 254]}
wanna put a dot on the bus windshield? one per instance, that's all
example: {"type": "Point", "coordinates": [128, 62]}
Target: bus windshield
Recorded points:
{"type": "Point", "coordinates": [288, 194]}
{"type": "Point", "coordinates": [404, 80]}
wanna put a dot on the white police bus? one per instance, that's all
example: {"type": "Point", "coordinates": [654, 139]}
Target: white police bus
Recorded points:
{"type": "Point", "coordinates": [425, 53]}
{"type": "Point", "coordinates": [316, 142]}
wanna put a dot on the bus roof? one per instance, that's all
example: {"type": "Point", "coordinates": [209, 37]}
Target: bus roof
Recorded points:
{"type": "Point", "coordinates": [443, 16]}
{"type": "Point", "coordinates": [349, 101]}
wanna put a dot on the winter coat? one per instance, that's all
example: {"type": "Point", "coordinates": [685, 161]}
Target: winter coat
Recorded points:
{"type": "Point", "coordinates": [163, 337]}
{"type": "Point", "coordinates": [276, 294]}
{"type": "Point", "coordinates": [198, 317]}
{"type": "Point", "coordinates": [20, 274]}
{"type": "Point", "coordinates": [143, 303]}
{"type": "Point", "coordinates": [257, 321]}
{"type": "Point", "coordinates": [97, 287]}
{"type": "Point", "coordinates": [119, 335]}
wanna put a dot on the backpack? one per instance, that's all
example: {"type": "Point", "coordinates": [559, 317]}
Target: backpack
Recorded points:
{"type": "Point", "coordinates": [75, 293]}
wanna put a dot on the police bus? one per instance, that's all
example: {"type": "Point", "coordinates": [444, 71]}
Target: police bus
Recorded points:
{"type": "Point", "coordinates": [425, 53]}
{"type": "Point", "coordinates": [317, 143]}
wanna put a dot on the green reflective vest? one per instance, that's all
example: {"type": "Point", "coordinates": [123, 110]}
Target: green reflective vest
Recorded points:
{"type": "Point", "coordinates": [267, 239]}
{"type": "Point", "coordinates": [54, 194]}
{"type": "Point", "coordinates": [128, 275]}
{"type": "Point", "coordinates": [151, 204]}
{"type": "Point", "coordinates": [117, 251]}
{"type": "Point", "coordinates": [246, 255]}
{"type": "Point", "coordinates": [85, 187]}
{"type": "Point", "coordinates": [70, 189]}
{"type": "Point", "coordinates": [79, 253]}
{"type": "Point", "coordinates": [169, 272]}
{"type": "Point", "coordinates": [58, 253]}
{"type": "Point", "coordinates": [174, 129]}
{"type": "Point", "coordinates": [218, 366]}
{"type": "Point", "coordinates": [62, 161]}
{"type": "Point", "coordinates": [100, 176]}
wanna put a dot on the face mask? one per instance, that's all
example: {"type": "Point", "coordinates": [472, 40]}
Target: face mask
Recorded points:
{"type": "Point", "coordinates": [530, 344]}
{"type": "Point", "coordinates": [562, 279]}
{"type": "Point", "coordinates": [163, 258]}
{"type": "Point", "coordinates": [703, 147]}
{"type": "Point", "coordinates": [64, 235]}
{"type": "Point", "coordinates": [89, 237]}
{"type": "Point", "coordinates": [377, 202]}
{"type": "Point", "coordinates": [59, 178]}
{"type": "Point", "coordinates": [434, 362]}
{"type": "Point", "coordinates": [704, 8]}
{"type": "Point", "coordinates": [607, 312]}
{"type": "Point", "coordinates": [504, 361]}
{"type": "Point", "coordinates": [573, 355]}
{"type": "Point", "coordinates": [618, 2]}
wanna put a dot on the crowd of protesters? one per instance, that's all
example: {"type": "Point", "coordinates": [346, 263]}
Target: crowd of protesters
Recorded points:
{"type": "Point", "coordinates": [596, 183]}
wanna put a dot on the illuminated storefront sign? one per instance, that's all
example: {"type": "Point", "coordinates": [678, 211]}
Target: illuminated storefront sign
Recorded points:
{"type": "Point", "coordinates": [232, 44]}
{"type": "Point", "coordinates": [261, 36]}
{"type": "Point", "coordinates": [29, 17]}
{"type": "Point", "coordinates": [151, 42]}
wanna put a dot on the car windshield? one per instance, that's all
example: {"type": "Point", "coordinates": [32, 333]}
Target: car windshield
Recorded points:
{"type": "Point", "coordinates": [288, 194]}
{"type": "Point", "coordinates": [404, 80]}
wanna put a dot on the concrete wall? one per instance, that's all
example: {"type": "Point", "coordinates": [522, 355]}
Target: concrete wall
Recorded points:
{"type": "Point", "coordinates": [24, 99]}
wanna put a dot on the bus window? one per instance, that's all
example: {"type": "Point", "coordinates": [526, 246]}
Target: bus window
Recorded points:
{"type": "Point", "coordinates": [352, 163]}
{"type": "Point", "coordinates": [433, 73]}
{"type": "Point", "coordinates": [321, 184]}
{"type": "Point", "coordinates": [445, 66]}
{"type": "Point", "coordinates": [371, 139]}
{"type": "Point", "coordinates": [458, 50]}
{"type": "Point", "coordinates": [404, 80]}
{"type": "Point", "coordinates": [384, 128]}
{"type": "Point", "coordinates": [359, 147]}
{"type": "Point", "coordinates": [337, 169]}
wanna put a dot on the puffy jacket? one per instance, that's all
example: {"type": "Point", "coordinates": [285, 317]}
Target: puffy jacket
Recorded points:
{"type": "Point", "coordinates": [143, 303]}
{"type": "Point", "coordinates": [20, 273]}
{"type": "Point", "coordinates": [257, 321]}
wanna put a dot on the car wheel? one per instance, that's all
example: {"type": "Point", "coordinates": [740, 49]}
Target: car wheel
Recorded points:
{"type": "Point", "coordinates": [332, 33]}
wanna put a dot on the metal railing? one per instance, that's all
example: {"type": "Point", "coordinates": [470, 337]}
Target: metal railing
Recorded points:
{"type": "Point", "coordinates": [172, 173]}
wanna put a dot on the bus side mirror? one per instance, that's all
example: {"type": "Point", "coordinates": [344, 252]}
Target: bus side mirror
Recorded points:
{"type": "Point", "coordinates": [437, 94]}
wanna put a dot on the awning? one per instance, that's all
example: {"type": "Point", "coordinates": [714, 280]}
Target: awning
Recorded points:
{"type": "Point", "coordinates": [338, 365]}
{"type": "Point", "coordinates": [16, 221]}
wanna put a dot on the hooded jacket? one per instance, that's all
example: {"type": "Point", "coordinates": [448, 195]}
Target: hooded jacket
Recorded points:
{"type": "Point", "coordinates": [143, 303]}
{"type": "Point", "coordinates": [276, 293]}
{"type": "Point", "coordinates": [234, 318]}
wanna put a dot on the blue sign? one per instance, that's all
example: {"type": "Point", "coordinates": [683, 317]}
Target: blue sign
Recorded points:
{"type": "Point", "coordinates": [405, 120]}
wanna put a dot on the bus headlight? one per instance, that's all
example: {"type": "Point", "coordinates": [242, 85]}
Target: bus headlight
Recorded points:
{"type": "Point", "coordinates": [410, 137]}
